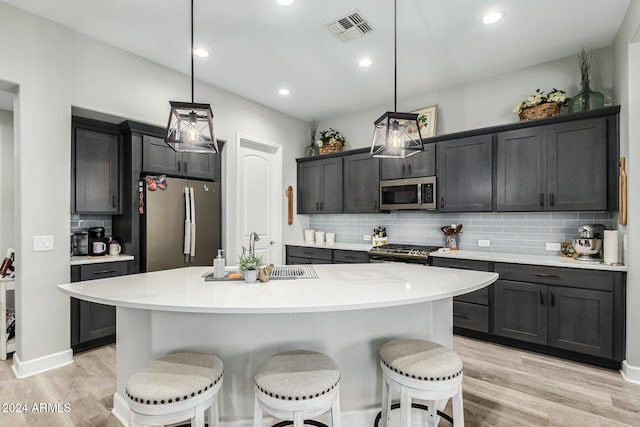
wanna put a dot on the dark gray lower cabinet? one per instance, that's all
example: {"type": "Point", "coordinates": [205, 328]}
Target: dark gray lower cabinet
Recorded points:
{"type": "Point", "coordinates": [520, 311]}
{"type": "Point", "coordinates": [93, 324]}
{"type": "Point", "coordinates": [308, 255]}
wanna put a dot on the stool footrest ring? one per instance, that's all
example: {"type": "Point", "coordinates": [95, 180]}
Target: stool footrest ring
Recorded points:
{"type": "Point", "coordinates": [413, 405]}
{"type": "Point", "coordinates": [308, 422]}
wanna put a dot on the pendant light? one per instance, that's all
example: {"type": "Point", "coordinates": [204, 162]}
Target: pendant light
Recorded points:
{"type": "Point", "coordinates": [396, 135]}
{"type": "Point", "coordinates": [190, 127]}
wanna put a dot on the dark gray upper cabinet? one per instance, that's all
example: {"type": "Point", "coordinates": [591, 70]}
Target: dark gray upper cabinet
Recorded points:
{"type": "Point", "coordinates": [559, 167]}
{"type": "Point", "coordinates": [159, 158]}
{"type": "Point", "coordinates": [422, 164]}
{"type": "Point", "coordinates": [361, 183]}
{"type": "Point", "coordinates": [465, 174]}
{"type": "Point", "coordinates": [320, 186]}
{"type": "Point", "coordinates": [95, 154]}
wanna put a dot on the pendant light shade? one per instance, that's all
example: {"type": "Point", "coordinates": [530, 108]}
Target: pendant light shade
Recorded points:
{"type": "Point", "coordinates": [396, 135]}
{"type": "Point", "coordinates": [190, 127]}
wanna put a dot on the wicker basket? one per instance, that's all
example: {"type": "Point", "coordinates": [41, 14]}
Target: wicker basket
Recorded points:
{"type": "Point", "coordinates": [326, 149]}
{"type": "Point", "coordinates": [540, 111]}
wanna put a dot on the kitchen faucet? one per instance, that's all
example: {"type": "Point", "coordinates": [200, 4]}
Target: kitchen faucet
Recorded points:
{"type": "Point", "coordinates": [253, 238]}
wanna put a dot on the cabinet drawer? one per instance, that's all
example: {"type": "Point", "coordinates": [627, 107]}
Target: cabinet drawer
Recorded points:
{"type": "Point", "coordinates": [294, 260]}
{"type": "Point", "coordinates": [342, 256]}
{"type": "Point", "coordinates": [464, 264]}
{"type": "Point", "coordinates": [103, 270]}
{"type": "Point", "coordinates": [471, 316]}
{"type": "Point", "coordinates": [304, 252]}
{"type": "Point", "coordinates": [573, 277]}
{"type": "Point", "coordinates": [480, 296]}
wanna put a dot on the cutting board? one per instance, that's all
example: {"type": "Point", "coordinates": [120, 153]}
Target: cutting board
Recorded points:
{"type": "Point", "coordinates": [622, 211]}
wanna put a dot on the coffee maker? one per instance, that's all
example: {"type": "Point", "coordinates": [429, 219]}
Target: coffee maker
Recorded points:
{"type": "Point", "coordinates": [589, 245]}
{"type": "Point", "coordinates": [98, 244]}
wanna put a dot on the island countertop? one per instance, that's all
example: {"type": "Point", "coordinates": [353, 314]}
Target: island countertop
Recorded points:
{"type": "Point", "coordinates": [339, 287]}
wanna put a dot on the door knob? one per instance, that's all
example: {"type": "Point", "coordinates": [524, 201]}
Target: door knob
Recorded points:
{"type": "Point", "coordinates": [273, 242]}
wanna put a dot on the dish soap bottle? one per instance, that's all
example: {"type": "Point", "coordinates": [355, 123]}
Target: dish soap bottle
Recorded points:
{"type": "Point", "coordinates": [218, 266]}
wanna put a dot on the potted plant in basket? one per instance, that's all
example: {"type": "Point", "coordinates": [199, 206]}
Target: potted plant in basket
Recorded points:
{"type": "Point", "coordinates": [249, 263]}
{"type": "Point", "coordinates": [539, 105]}
{"type": "Point", "coordinates": [331, 141]}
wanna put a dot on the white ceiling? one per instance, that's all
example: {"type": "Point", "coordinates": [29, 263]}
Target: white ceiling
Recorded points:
{"type": "Point", "coordinates": [257, 46]}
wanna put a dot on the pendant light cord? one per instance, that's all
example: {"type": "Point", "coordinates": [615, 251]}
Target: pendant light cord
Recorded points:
{"type": "Point", "coordinates": [192, 51]}
{"type": "Point", "coordinates": [395, 57]}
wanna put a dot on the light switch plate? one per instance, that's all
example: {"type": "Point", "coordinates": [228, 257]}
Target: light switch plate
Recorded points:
{"type": "Point", "coordinates": [484, 243]}
{"type": "Point", "coordinates": [366, 237]}
{"type": "Point", "coordinates": [553, 246]}
{"type": "Point", "coordinates": [42, 243]}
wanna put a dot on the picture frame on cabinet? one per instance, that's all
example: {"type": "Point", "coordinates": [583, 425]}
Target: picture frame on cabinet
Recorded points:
{"type": "Point", "coordinates": [427, 118]}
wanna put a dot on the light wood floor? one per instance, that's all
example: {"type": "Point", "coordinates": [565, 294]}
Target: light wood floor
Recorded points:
{"type": "Point", "coordinates": [502, 387]}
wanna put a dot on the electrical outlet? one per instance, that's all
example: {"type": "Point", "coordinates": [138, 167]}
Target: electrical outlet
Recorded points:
{"type": "Point", "coordinates": [42, 243]}
{"type": "Point", "coordinates": [484, 243]}
{"type": "Point", "coordinates": [553, 246]}
{"type": "Point", "coordinates": [366, 237]}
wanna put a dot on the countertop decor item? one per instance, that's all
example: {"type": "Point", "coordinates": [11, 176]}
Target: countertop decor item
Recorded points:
{"type": "Point", "coordinates": [190, 127]}
{"type": "Point", "coordinates": [586, 99]}
{"type": "Point", "coordinates": [248, 264]}
{"type": "Point", "coordinates": [396, 135]}
{"type": "Point", "coordinates": [541, 105]}
{"type": "Point", "coordinates": [451, 235]}
{"type": "Point", "coordinates": [311, 150]}
{"type": "Point", "coordinates": [331, 141]}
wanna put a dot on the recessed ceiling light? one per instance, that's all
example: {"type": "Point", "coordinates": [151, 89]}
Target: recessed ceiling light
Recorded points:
{"type": "Point", "coordinates": [364, 62]}
{"type": "Point", "coordinates": [284, 91]}
{"type": "Point", "coordinates": [492, 17]}
{"type": "Point", "coordinates": [285, 2]}
{"type": "Point", "coordinates": [202, 53]}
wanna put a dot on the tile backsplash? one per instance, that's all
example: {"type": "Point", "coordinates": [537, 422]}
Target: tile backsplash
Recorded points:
{"type": "Point", "coordinates": [83, 222]}
{"type": "Point", "coordinates": [524, 233]}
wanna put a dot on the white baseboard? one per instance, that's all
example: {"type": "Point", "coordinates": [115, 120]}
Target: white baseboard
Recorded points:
{"type": "Point", "coordinates": [27, 368]}
{"type": "Point", "coordinates": [121, 410]}
{"type": "Point", "coordinates": [630, 373]}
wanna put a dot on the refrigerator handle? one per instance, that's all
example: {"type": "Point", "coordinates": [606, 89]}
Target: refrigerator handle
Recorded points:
{"type": "Point", "coordinates": [187, 222]}
{"type": "Point", "coordinates": [192, 249]}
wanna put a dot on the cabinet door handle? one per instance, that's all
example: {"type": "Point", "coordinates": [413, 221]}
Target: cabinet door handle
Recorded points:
{"type": "Point", "coordinates": [317, 206]}
{"type": "Point", "coordinates": [442, 202]}
{"type": "Point", "coordinates": [548, 276]}
{"type": "Point", "coordinates": [542, 199]}
{"type": "Point", "coordinates": [179, 166]}
{"type": "Point", "coordinates": [552, 200]}
{"type": "Point", "coordinates": [185, 167]}
{"type": "Point", "coordinates": [375, 205]}
{"type": "Point", "coordinates": [461, 315]}
{"type": "Point", "coordinates": [541, 297]}
{"type": "Point", "coordinates": [113, 201]}
{"type": "Point", "coordinates": [321, 206]}
{"type": "Point", "coordinates": [307, 253]}
{"type": "Point", "coordinates": [350, 257]}
{"type": "Point", "coordinates": [553, 300]}
{"type": "Point", "coordinates": [104, 272]}
{"type": "Point", "coordinates": [403, 167]}
{"type": "Point", "coordinates": [409, 168]}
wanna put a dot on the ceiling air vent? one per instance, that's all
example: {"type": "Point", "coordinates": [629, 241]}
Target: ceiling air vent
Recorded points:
{"type": "Point", "coordinates": [350, 27]}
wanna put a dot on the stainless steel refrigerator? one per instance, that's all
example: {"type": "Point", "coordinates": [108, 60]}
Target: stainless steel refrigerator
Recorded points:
{"type": "Point", "coordinates": [181, 224]}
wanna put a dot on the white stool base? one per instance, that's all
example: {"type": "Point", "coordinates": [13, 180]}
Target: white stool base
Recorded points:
{"type": "Point", "coordinates": [297, 410]}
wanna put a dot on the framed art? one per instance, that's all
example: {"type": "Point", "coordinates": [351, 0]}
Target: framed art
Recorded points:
{"type": "Point", "coordinates": [427, 120]}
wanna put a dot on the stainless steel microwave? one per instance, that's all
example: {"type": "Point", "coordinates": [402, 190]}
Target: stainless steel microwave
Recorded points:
{"type": "Point", "coordinates": [410, 193]}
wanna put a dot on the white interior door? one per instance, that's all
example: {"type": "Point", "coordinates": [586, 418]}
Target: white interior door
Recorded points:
{"type": "Point", "coordinates": [259, 182]}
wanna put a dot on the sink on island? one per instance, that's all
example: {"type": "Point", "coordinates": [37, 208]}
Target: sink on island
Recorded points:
{"type": "Point", "coordinates": [348, 312]}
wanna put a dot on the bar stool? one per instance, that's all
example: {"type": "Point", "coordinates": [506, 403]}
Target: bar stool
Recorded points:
{"type": "Point", "coordinates": [175, 388]}
{"type": "Point", "coordinates": [420, 369]}
{"type": "Point", "coordinates": [296, 385]}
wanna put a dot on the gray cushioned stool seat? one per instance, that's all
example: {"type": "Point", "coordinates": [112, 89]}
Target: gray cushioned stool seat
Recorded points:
{"type": "Point", "coordinates": [420, 359]}
{"type": "Point", "coordinates": [175, 378]}
{"type": "Point", "coordinates": [297, 375]}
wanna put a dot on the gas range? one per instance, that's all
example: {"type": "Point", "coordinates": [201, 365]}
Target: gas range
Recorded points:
{"type": "Point", "coordinates": [401, 253]}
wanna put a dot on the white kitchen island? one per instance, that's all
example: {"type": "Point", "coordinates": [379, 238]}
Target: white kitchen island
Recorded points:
{"type": "Point", "coordinates": [348, 312]}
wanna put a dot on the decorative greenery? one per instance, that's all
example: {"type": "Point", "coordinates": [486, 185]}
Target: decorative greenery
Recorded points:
{"type": "Point", "coordinates": [313, 129]}
{"type": "Point", "coordinates": [330, 137]}
{"type": "Point", "coordinates": [554, 95]}
{"type": "Point", "coordinates": [249, 261]}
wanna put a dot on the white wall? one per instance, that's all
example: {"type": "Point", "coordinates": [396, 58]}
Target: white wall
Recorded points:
{"type": "Point", "coordinates": [627, 92]}
{"type": "Point", "coordinates": [7, 204]}
{"type": "Point", "coordinates": [55, 68]}
{"type": "Point", "coordinates": [486, 102]}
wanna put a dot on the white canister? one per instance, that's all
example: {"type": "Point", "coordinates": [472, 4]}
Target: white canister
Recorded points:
{"type": "Point", "coordinates": [308, 235]}
{"type": "Point", "coordinates": [319, 236]}
{"type": "Point", "coordinates": [331, 238]}
{"type": "Point", "coordinates": [610, 247]}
